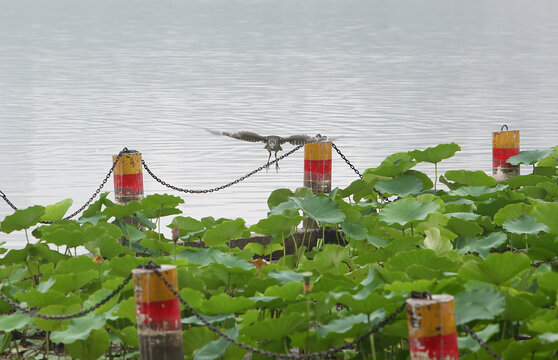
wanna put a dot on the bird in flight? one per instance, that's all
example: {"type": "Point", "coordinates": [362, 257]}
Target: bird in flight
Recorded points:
{"type": "Point", "coordinates": [272, 142]}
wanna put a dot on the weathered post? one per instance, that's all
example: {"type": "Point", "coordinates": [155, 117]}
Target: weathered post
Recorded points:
{"type": "Point", "coordinates": [432, 331]}
{"type": "Point", "coordinates": [158, 314]}
{"type": "Point", "coordinates": [317, 167]}
{"type": "Point", "coordinates": [504, 144]}
{"type": "Point", "coordinates": [128, 177]}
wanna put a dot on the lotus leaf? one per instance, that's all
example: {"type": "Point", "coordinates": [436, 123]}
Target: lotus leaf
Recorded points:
{"type": "Point", "coordinates": [524, 224]}
{"type": "Point", "coordinates": [275, 329]}
{"type": "Point", "coordinates": [404, 211]}
{"type": "Point", "coordinates": [225, 232]}
{"type": "Point", "coordinates": [529, 157]}
{"type": "Point", "coordinates": [394, 165]}
{"type": "Point", "coordinates": [470, 178]}
{"type": "Point", "coordinates": [217, 348]}
{"type": "Point", "coordinates": [322, 209]}
{"type": "Point", "coordinates": [518, 305]}
{"type": "Point", "coordinates": [400, 186]}
{"type": "Point", "coordinates": [547, 213]}
{"type": "Point", "coordinates": [354, 230]}
{"type": "Point", "coordinates": [484, 334]}
{"type": "Point", "coordinates": [527, 180]}
{"type": "Point", "coordinates": [480, 192]}
{"type": "Point", "coordinates": [122, 211]}
{"type": "Point", "coordinates": [276, 225]}
{"type": "Point", "coordinates": [350, 325]}
{"type": "Point", "coordinates": [79, 329]}
{"type": "Point", "coordinates": [435, 241]}
{"type": "Point", "coordinates": [15, 321]}
{"type": "Point", "coordinates": [482, 246]}
{"type": "Point", "coordinates": [496, 269]}
{"type": "Point", "coordinates": [482, 304]}
{"type": "Point", "coordinates": [57, 211]}
{"type": "Point", "coordinates": [91, 348]}
{"type": "Point", "coordinates": [285, 276]}
{"type": "Point", "coordinates": [22, 219]}
{"type": "Point", "coordinates": [426, 182]}
{"type": "Point", "coordinates": [435, 154]}
{"type": "Point", "coordinates": [224, 304]}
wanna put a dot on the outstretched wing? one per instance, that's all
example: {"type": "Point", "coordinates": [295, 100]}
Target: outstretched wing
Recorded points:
{"type": "Point", "coordinates": [241, 135]}
{"type": "Point", "coordinates": [300, 139]}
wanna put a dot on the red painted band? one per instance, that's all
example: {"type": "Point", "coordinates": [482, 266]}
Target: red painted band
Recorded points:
{"type": "Point", "coordinates": [500, 155]}
{"type": "Point", "coordinates": [129, 185]}
{"type": "Point", "coordinates": [160, 315]}
{"type": "Point", "coordinates": [318, 166]}
{"type": "Point", "coordinates": [436, 347]}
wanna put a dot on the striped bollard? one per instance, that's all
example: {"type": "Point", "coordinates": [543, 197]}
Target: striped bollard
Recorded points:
{"type": "Point", "coordinates": [128, 177]}
{"type": "Point", "coordinates": [317, 167]}
{"type": "Point", "coordinates": [158, 314]}
{"type": "Point", "coordinates": [432, 331]}
{"type": "Point", "coordinates": [504, 144]}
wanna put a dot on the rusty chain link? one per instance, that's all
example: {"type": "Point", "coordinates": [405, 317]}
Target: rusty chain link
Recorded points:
{"type": "Point", "coordinates": [483, 344]}
{"type": "Point", "coordinates": [164, 183]}
{"type": "Point", "coordinates": [322, 354]}
{"type": "Point", "coordinates": [33, 312]}
{"type": "Point", "coordinates": [123, 152]}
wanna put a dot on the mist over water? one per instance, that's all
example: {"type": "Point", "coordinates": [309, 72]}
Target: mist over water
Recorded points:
{"type": "Point", "coordinates": [80, 80]}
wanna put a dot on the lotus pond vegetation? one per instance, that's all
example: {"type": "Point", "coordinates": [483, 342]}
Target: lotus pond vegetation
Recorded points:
{"type": "Point", "coordinates": [493, 246]}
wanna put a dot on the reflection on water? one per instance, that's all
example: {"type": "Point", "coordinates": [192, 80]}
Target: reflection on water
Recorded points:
{"type": "Point", "coordinates": [80, 80]}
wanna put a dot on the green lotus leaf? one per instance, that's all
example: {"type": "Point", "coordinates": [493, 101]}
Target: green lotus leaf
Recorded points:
{"type": "Point", "coordinates": [186, 225]}
{"type": "Point", "coordinates": [205, 257]}
{"type": "Point", "coordinates": [400, 186]}
{"type": "Point", "coordinates": [79, 329]}
{"type": "Point", "coordinates": [510, 212]}
{"type": "Point", "coordinates": [350, 325]}
{"type": "Point", "coordinates": [547, 213]}
{"type": "Point", "coordinates": [122, 211]}
{"type": "Point", "coordinates": [404, 211]}
{"type": "Point", "coordinates": [365, 301]}
{"type": "Point", "coordinates": [275, 329]}
{"type": "Point", "coordinates": [91, 348]}
{"type": "Point", "coordinates": [393, 165]}
{"type": "Point", "coordinates": [225, 304]}
{"type": "Point", "coordinates": [482, 246]}
{"type": "Point", "coordinates": [38, 299]}
{"type": "Point", "coordinates": [278, 196]}
{"type": "Point", "coordinates": [57, 309]}
{"type": "Point", "coordinates": [15, 321]}
{"type": "Point", "coordinates": [288, 292]}
{"type": "Point", "coordinates": [217, 348]}
{"type": "Point", "coordinates": [66, 283]}
{"type": "Point", "coordinates": [43, 252]}
{"type": "Point", "coordinates": [527, 180]}
{"type": "Point", "coordinates": [57, 211]}
{"type": "Point", "coordinates": [470, 178]}
{"type": "Point", "coordinates": [478, 191]}
{"type": "Point", "coordinates": [285, 276]}
{"type": "Point", "coordinates": [356, 231]}
{"type": "Point", "coordinates": [22, 219]}
{"type": "Point", "coordinates": [358, 188]}
{"type": "Point", "coordinates": [484, 334]}
{"type": "Point", "coordinates": [158, 201]}
{"type": "Point", "coordinates": [96, 207]}
{"type": "Point", "coordinates": [420, 257]}
{"type": "Point", "coordinates": [225, 232]}
{"type": "Point", "coordinates": [529, 157]}
{"type": "Point", "coordinates": [123, 266]}
{"type": "Point", "coordinates": [330, 259]}
{"type": "Point", "coordinates": [524, 224]}
{"type": "Point", "coordinates": [276, 225]}
{"type": "Point", "coordinates": [76, 265]}
{"type": "Point", "coordinates": [320, 208]}
{"type": "Point", "coordinates": [435, 241]}
{"type": "Point", "coordinates": [464, 228]}
{"type": "Point", "coordinates": [518, 305]}
{"type": "Point", "coordinates": [426, 182]}
{"type": "Point", "coordinates": [435, 154]}
{"type": "Point", "coordinates": [484, 304]}
{"type": "Point", "coordinates": [496, 269]}
{"type": "Point", "coordinates": [194, 339]}
{"type": "Point", "coordinates": [551, 190]}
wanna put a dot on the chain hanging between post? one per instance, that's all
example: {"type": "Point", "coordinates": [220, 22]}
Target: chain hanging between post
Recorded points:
{"type": "Point", "coordinates": [164, 183]}
{"type": "Point", "coordinates": [322, 354]}
{"type": "Point", "coordinates": [33, 311]}
{"type": "Point", "coordinates": [123, 152]}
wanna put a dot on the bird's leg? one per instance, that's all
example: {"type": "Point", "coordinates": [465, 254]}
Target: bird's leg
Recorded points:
{"type": "Point", "coordinates": [276, 163]}
{"type": "Point", "coordinates": [268, 158]}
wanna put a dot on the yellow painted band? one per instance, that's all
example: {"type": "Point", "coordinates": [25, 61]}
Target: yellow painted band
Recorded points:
{"type": "Point", "coordinates": [318, 151]}
{"type": "Point", "coordinates": [127, 164]}
{"type": "Point", "coordinates": [148, 287]}
{"type": "Point", "coordinates": [505, 139]}
{"type": "Point", "coordinates": [428, 318]}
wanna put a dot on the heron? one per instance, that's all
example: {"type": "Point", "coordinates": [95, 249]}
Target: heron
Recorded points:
{"type": "Point", "coordinates": [272, 142]}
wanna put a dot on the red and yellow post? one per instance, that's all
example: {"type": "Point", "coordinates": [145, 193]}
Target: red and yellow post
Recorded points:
{"type": "Point", "coordinates": [317, 166]}
{"type": "Point", "coordinates": [158, 314]}
{"type": "Point", "coordinates": [128, 178]}
{"type": "Point", "coordinates": [432, 330]}
{"type": "Point", "coordinates": [504, 145]}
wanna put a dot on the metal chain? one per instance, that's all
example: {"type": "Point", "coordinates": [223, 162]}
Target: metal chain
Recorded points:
{"type": "Point", "coordinates": [346, 160]}
{"type": "Point", "coordinates": [123, 152]}
{"type": "Point", "coordinates": [33, 312]}
{"type": "Point", "coordinates": [550, 261]}
{"type": "Point", "coordinates": [322, 354]}
{"type": "Point", "coordinates": [164, 183]}
{"type": "Point", "coordinates": [484, 345]}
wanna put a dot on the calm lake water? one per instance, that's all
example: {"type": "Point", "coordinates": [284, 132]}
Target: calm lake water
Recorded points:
{"type": "Point", "coordinates": [80, 80]}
